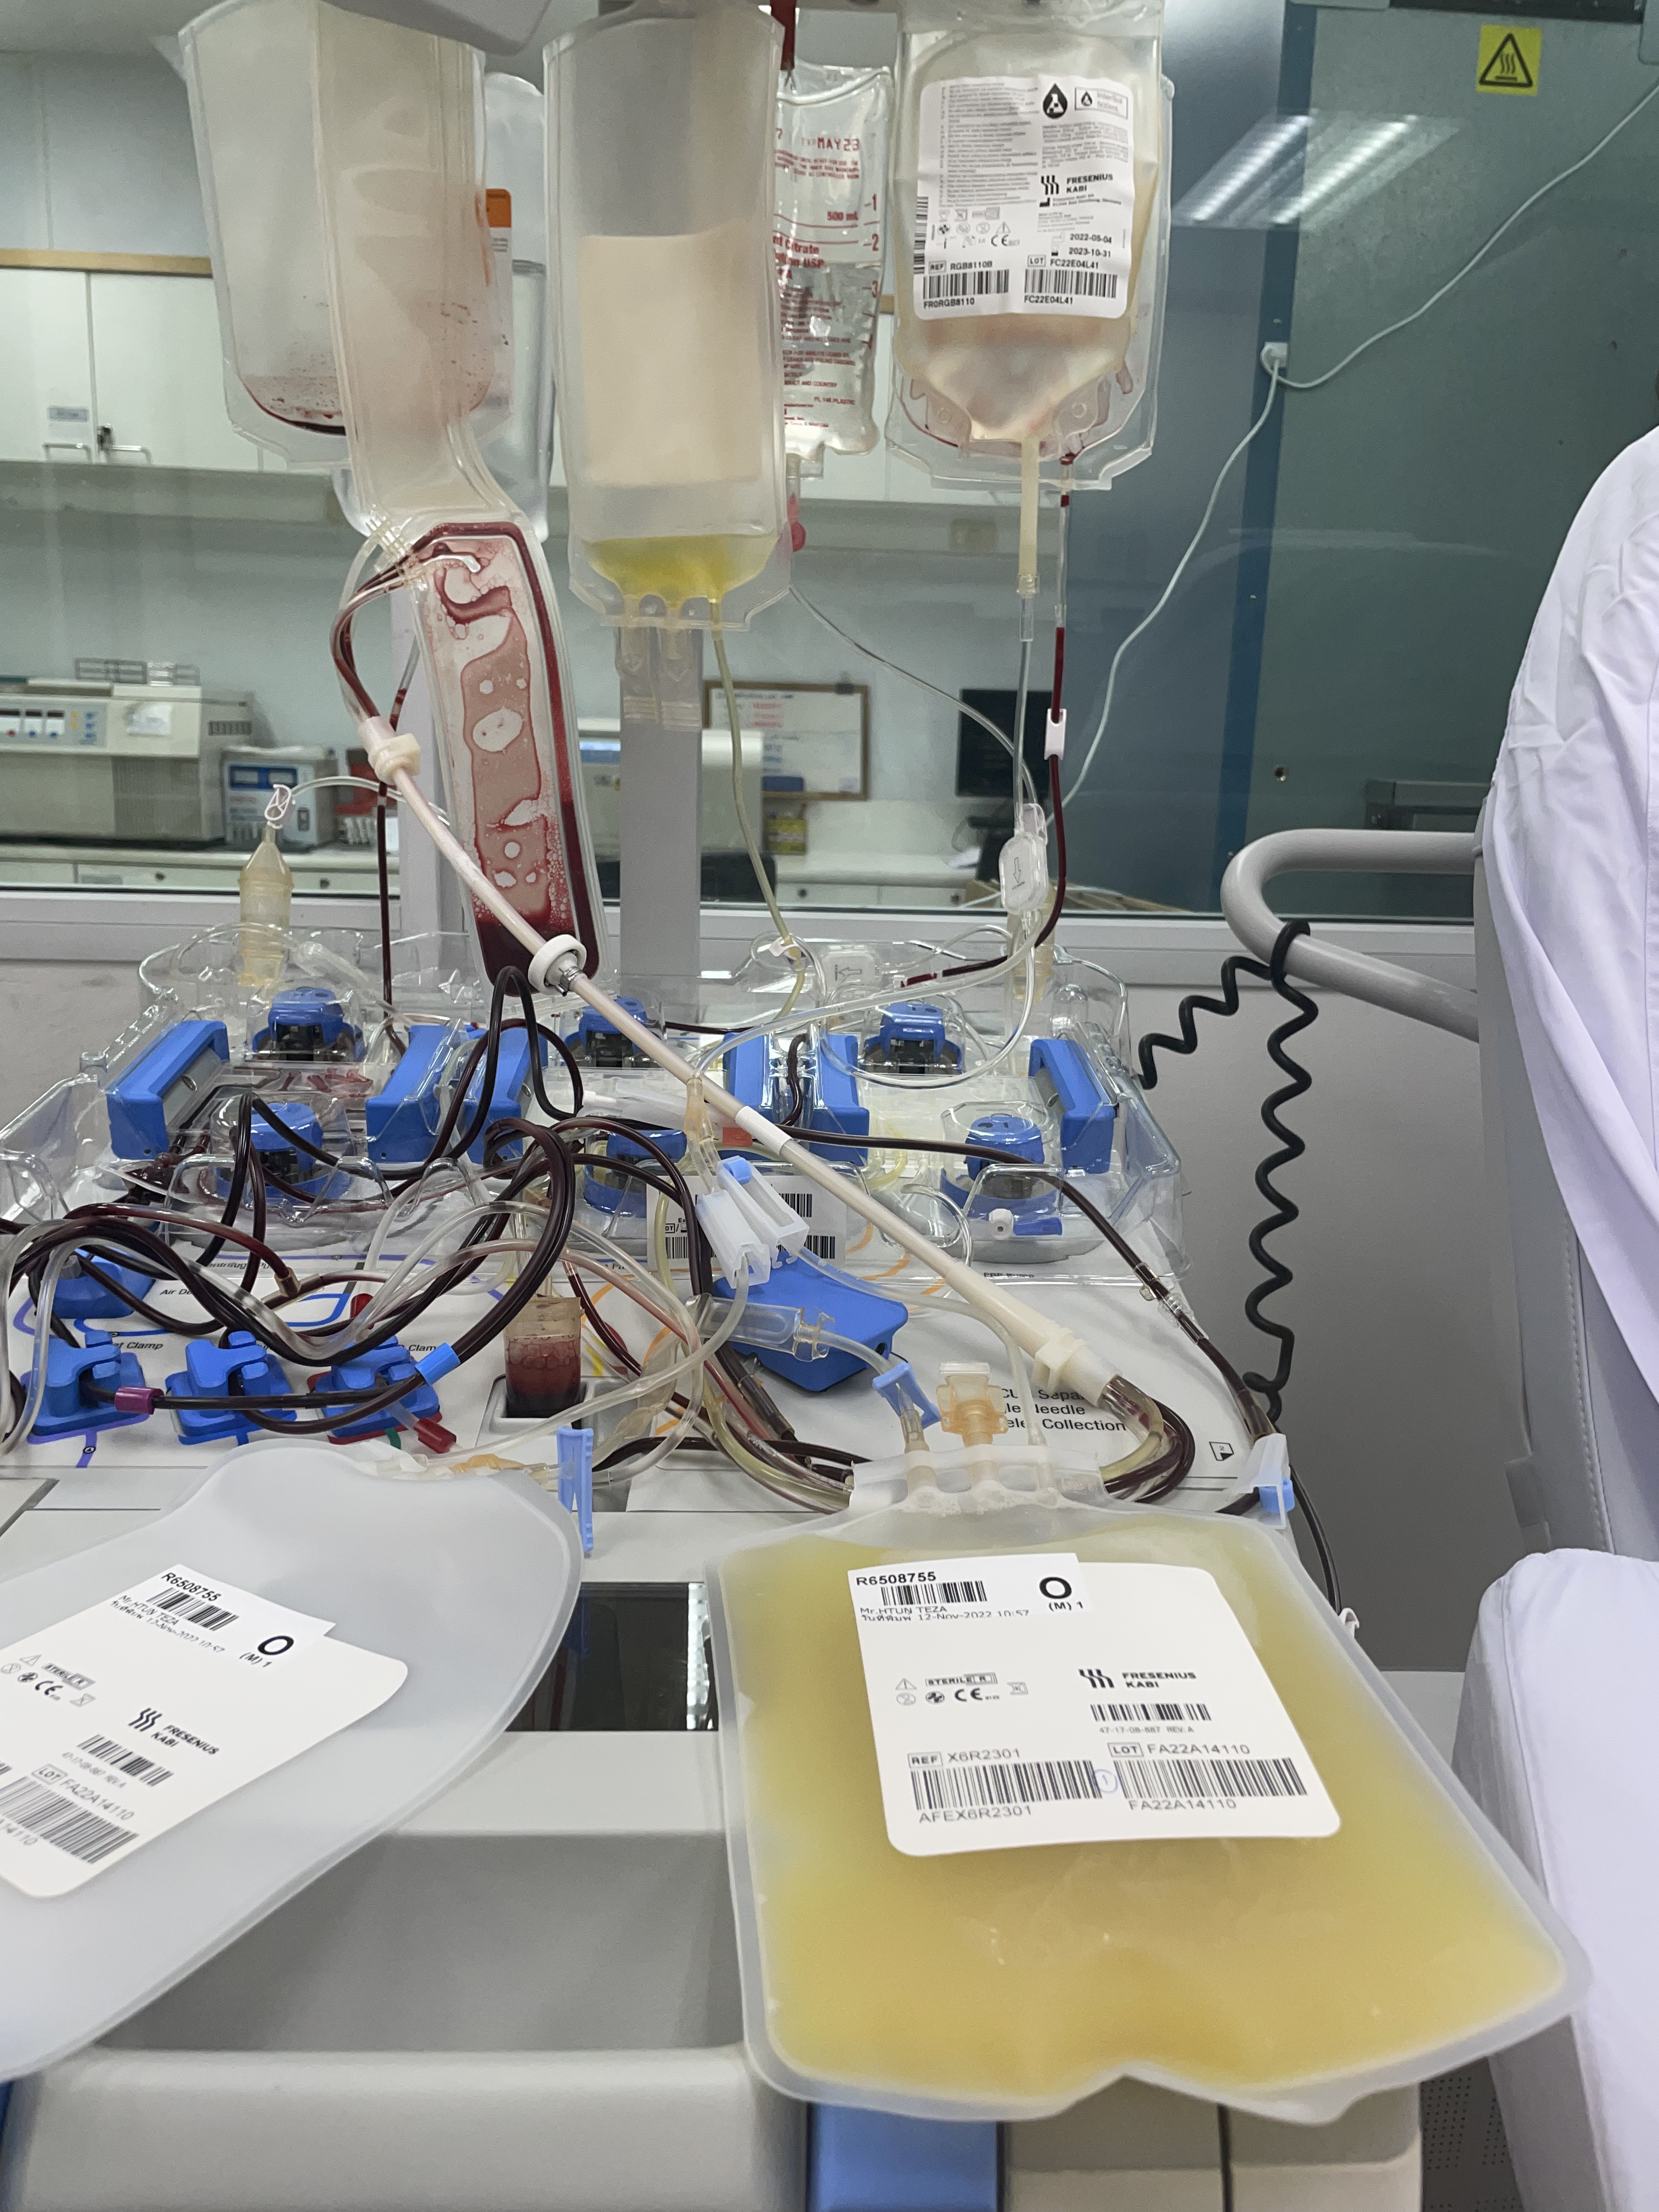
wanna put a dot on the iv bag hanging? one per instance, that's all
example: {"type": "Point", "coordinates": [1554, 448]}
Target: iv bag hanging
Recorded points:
{"type": "Point", "coordinates": [1031, 182]}
{"type": "Point", "coordinates": [662, 122]}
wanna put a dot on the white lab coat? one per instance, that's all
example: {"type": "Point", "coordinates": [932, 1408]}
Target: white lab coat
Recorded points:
{"type": "Point", "coordinates": [1571, 848]}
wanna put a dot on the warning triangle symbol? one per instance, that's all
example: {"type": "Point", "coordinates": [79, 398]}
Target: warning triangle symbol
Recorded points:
{"type": "Point", "coordinates": [1508, 67]}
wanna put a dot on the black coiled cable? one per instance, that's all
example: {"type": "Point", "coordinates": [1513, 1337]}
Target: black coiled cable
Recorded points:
{"type": "Point", "coordinates": [1270, 1388]}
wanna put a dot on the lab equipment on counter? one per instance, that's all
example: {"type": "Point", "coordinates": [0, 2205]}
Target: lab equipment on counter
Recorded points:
{"type": "Point", "coordinates": [310, 1534]}
{"type": "Point", "coordinates": [130, 763]}
{"type": "Point", "coordinates": [831, 232]}
{"type": "Point", "coordinates": [663, 124]}
{"type": "Point", "coordinates": [933, 1737]}
{"type": "Point", "coordinates": [1031, 185]}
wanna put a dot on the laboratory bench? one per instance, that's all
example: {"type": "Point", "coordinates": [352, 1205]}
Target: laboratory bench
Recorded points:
{"type": "Point", "coordinates": [338, 868]}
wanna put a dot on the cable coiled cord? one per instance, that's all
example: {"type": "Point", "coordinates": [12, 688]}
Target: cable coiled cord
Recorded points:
{"type": "Point", "coordinates": [1270, 1388]}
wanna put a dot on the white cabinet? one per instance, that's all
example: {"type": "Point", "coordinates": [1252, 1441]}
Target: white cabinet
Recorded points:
{"type": "Point", "coordinates": [159, 379]}
{"type": "Point", "coordinates": [135, 358]}
{"type": "Point", "coordinates": [45, 367]}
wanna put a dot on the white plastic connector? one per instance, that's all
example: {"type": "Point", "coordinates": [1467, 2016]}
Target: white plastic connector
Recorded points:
{"type": "Point", "coordinates": [389, 750]}
{"type": "Point", "coordinates": [1066, 1363]}
{"type": "Point", "coordinates": [1276, 355]}
{"type": "Point", "coordinates": [783, 1230]}
{"type": "Point", "coordinates": [1001, 1221]}
{"type": "Point", "coordinates": [742, 1254]}
{"type": "Point", "coordinates": [1024, 868]}
{"type": "Point", "coordinates": [277, 806]}
{"type": "Point", "coordinates": [554, 966]}
{"type": "Point", "coordinates": [1054, 737]}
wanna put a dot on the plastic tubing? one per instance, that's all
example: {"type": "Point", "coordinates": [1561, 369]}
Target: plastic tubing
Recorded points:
{"type": "Point", "coordinates": [1063, 1360]}
{"type": "Point", "coordinates": [37, 1390]}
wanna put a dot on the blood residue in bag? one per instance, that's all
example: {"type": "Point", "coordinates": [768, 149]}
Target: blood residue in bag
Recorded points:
{"type": "Point", "coordinates": [544, 1346]}
{"type": "Point", "coordinates": [1022, 1979]}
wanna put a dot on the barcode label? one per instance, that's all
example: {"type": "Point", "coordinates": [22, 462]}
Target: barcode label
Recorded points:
{"type": "Point", "coordinates": [978, 1788]}
{"type": "Point", "coordinates": [946, 287]}
{"type": "Point", "coordinates": [1063, 284]}
{"type": "Point", "coordinates": [800, 1199]}
{"type": "Point", "coordinates": [919, 246]}
{"type": "Point", "coordinates": [822, 1248]}
{"type": "Point", "coordinates": [185, 1606]}
{"type": "Point", "coordinates": [126, 1762]}
{"type": "Point", "coordinates": [28, 1804]}
{"type": "Point", "coordinates": [1151, 1712]}
{"type": "Point", "coordinates": [1201, 1781]}
{"type": "Point", "coordinates": [965, 1593]}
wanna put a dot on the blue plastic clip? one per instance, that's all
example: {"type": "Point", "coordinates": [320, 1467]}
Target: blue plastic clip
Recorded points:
{"type": "Point", "coordinates": [1267, 1471]}
{"type": "Point", "coordinates": [442, 1359]}
{"type": "Point", "coordinates": [208, 1373]}
{"type": "Point", "coordinates": [64, 1412]}
{"type": "Point", "coordinates": [372, 1371]}
{"type": "Point", "coordinates": [1277, 1497]}
{"type": "Point", "coordinates": [576, 1478]}
{"type": "Point", "coordinates": [900, 1388]}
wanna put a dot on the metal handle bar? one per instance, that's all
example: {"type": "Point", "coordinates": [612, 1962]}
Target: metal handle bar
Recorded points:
{"type": "Point", "coordinates": [1311, 960]}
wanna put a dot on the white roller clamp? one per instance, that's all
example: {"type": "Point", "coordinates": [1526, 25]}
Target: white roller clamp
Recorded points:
{"type": "Point", "coordinates": [389, 750]}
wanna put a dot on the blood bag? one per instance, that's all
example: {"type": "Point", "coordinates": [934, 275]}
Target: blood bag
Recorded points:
{"type": "Point", "coordinates": [831, 233]}
{"type": "Point", "coordinates": [1031, 189]}
{"type": "Point", "coordinates": [1024, 1797]}
{"type": "Point", "coordinates": [662, 122]}
{"type": "Point", "coordinates": [399, 143]}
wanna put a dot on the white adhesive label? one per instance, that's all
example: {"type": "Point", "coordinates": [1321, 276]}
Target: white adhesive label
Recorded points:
{"type": "Point", "coordinates": [1024, 196]}
{"type": "Point", "coordinates": [124, 1720]}
{"type": "Point", "coordinates": [1026, 1698]}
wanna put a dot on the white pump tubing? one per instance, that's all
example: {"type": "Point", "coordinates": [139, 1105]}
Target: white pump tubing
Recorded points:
{"type": "Point", "coordinates": [1061, 1359]}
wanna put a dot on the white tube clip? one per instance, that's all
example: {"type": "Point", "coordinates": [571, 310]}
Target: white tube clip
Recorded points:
{"type": "Point", "coordinates": [1054, 737]}
{"type": "Point", "coordinates": [389, 750]}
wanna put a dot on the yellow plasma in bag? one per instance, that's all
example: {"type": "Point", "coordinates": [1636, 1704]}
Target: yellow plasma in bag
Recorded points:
{"type": "Point", "coordinates": [1023, 1978]}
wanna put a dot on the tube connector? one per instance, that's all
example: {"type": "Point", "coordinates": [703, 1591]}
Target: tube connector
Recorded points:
{"type": "Point", "coordinates": [442, 1359]}
{"type": "Point", "coordinates": [1066, 1363]}
{"type": "Point", "coordinates": [560, 960]}
{"type": "Point", "coordinates": [389, 750]}
{"type": "Point", "coordinates": [898, 1385]}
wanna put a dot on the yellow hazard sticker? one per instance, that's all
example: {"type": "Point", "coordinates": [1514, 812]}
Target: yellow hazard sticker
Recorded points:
{"type": "Point", "coordinates": [1508, 59]}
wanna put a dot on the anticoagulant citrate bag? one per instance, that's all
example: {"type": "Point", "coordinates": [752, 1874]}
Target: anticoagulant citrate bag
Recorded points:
{"type": "Point", "coordinates": [1025, 1799]}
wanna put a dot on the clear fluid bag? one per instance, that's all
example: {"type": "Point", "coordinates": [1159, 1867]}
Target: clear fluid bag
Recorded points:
{"type": "Point", "coordinates": [1031, 190]}
{"type": "Point", "coordinates": [1282, 1944]}
{"type": "Point", "coordinates": [515, 425]}
{"type": "Point", "coordinates": [662, 123]}
{"type": "Point", "coordinates": [831, 233]}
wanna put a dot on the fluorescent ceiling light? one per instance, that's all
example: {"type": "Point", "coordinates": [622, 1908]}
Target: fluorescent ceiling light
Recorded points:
{"type": "Point", "coordinates": [1308, 171]}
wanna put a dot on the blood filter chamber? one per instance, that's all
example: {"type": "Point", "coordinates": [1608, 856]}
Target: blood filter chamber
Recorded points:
{"type": "Point", "coordinates": [663, 120]}
{"type": "Point", "coordinates": [1031, 185]}
{"type": "Point", "coordinates": [1285, 1975]}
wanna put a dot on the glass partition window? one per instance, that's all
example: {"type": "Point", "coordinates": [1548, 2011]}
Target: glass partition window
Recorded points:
{"type": "Point", "coordinates": [1335, 646]}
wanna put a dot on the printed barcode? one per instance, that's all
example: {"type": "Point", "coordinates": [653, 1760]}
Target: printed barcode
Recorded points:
{"type": "Point", "coordinates": [946, 284]}
{"type": "Point", "coordinates": [126, 1762]}
{"type": "Point", "coordinates": [55, 1820]}
{"type": "Point", "coordinates": [1151, 1712]}
{"type": "Point", "coordinates": [1197, 1780]}
{"type": "Point", "coordinates": [933, 1593]}
{"type": "Point", "coordinates": [800, 1199]}
{"type": "Point", "coordinates": [981, 1787]}
{"type": "Point", "coordinates": [919, 249]}
{"type": "Point", "coordinates": [1071, 284]}
{"type": "Point", "coordinates": [190, 1608]}
{"type": "Point", "coordinates": [822, 1246]}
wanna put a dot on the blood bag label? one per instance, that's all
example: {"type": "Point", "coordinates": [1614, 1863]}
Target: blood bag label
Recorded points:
{"type": "Point", "coordinates": [1026, 1698]}
{"type": "Point", "coordinates": [121, 1722]}
{"type": "Point", "coordinates": [1024, 196]}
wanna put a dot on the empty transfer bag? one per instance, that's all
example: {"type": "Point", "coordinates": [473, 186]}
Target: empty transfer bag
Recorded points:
{"type": "Point", "coordinates": [1024, 1797]}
